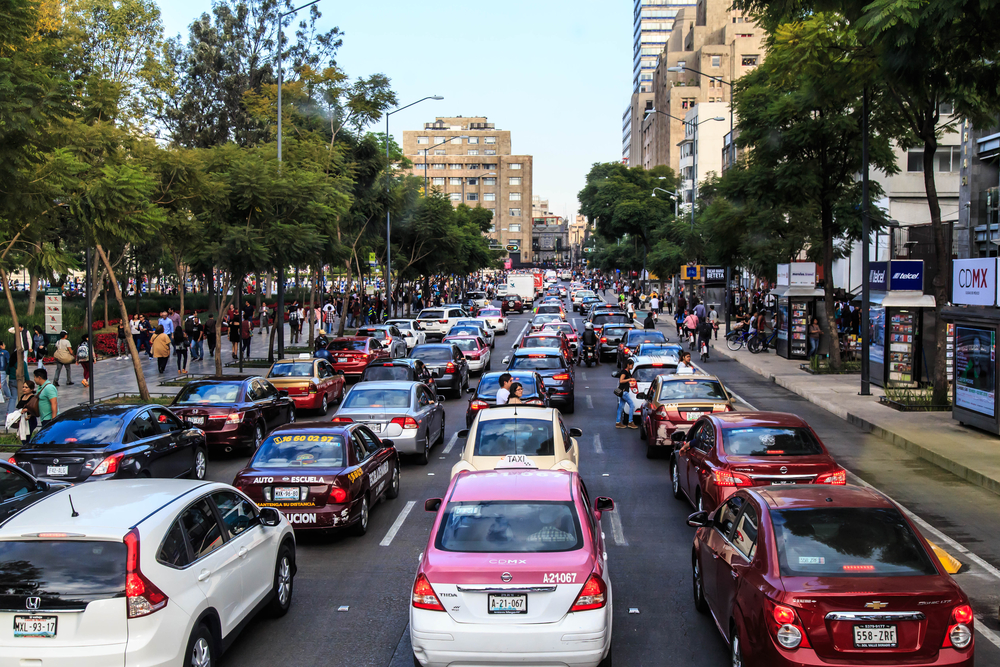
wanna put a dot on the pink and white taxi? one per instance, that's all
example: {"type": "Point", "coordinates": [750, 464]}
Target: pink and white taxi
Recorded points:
{"type": "Point", "coordinates": [515, 572]}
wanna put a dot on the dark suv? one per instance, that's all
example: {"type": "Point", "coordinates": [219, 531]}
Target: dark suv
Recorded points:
{"type": "Point", "coordinates": [514, 303]}
{"type": "Point", "coordinates": [557, 373]}
{"type": "Point", "coordinates": [447, 364]}
{"type": "Point", "coordinates": [406, 370]}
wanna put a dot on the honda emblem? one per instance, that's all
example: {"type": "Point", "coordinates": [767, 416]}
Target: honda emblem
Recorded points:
{"type": "Point", "coordinates": [32, 603]}
{"type": "Point", "coordinates": [55, 462]}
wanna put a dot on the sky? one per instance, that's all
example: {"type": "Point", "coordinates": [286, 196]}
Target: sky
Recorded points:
{"type": "Point", "coordinates": [556, 73]}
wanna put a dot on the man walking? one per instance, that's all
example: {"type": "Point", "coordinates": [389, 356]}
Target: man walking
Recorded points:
{"type": "Point", "coordinates": [48, 397]}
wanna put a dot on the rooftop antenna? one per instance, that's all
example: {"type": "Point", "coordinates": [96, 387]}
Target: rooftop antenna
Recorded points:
{"type": "Point", "coordinates": [75, 513]}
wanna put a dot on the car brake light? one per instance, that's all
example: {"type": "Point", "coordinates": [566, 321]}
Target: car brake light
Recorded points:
{"type": "Point", "coordinates": [783, 615]}
{"type": "Point", "coordinates": [561, 376]}
{"type": "Point", "coordinates": [423, 595]}
{"type": "Point", "coordinates": [405, 422]}
{"type": "Point", "coordinates": [442, 321]}
{"type": "Point", "coordinates": [837, 477]}
{"type": "Point", "coordinates": [338, 495]}
{"type": "Point", "coordinates": [959, 635]}
{"type": "Point", "coordinates": [962, 614]}
{"type": "Point", "coordinates": [594, 595]}
{"type": "Point", "coordinates": [12, 461]}
{"type": "Point", "coordinates": [450, 368]}
{"type": "Point", "coordinates": [312, 389]}
{"type": "Point", "coordinates": [661, 411]}
{"type": "Point", "coordinates": [342, 420]}
{"type": "Point", "coordinates": [858, 568]}
{"type": "Point", "coordinates": [478, 405]}
{"type": "Point", "coordinates": [727, 478]}
{"type": "Point", "coordinates": [108, 466]}
{"type": "Point", "coordinates": [231, 418]}
{"type": "Point", "coordinates": [787, 628]}
{"type": "Point", "coordinates": [604, 340]}
{"type": "Point", "coordinates": [143, 596]}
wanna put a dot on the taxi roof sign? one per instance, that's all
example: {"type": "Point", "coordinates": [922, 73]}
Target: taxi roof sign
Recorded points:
{"type": "Point", "coordinates": [515, 461]}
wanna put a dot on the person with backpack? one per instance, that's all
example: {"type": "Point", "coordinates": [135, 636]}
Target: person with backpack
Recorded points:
{"type": "Point", "coordinates": [64, 357]}
{"type": "Point", "coordinates": [83, 358]}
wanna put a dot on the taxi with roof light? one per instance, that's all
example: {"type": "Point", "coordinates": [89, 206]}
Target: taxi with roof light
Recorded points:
{"type": "Point", "coordinates": [475, 348]}
{"type": "Point", "coordinates": [494, 318]}
{"type": "Point", "coordinates": [539, 321]}
{"type": "Point", "coordinates": [532, 436]}
{"type": "Point", "coordinates": [567, 329]}
{"type": "Point", "coordinates": [311, 383]}
{"type": "Point", "coordinates": [671, 403]}
{"type": "Point", "coordinates": [485, 394]}
{"type": "Point", "coordinates": [514, 572]}
{"type": "Point", "coordinates": [474, 328]}
{"type": "Point", "coordinates": [544, 338]}
{"type": "Point", "coordinates": [556, 370]}
{"type": "Point", "coordinates": [322, 476]}
{"type": "Point", "coordinates": [724, 452]}
{"type": "Point", "coordinates": [553, 307]}
{"type": "Point", "coordinates": [803, 575]}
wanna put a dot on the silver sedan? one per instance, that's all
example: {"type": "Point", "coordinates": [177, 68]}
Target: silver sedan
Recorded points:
{"type": "Point", "coordinates": [405, 412]}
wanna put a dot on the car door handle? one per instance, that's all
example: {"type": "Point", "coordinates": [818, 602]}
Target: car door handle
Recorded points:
{"type": "Point", "coordinates": [243, 552]}
{"type": "Point", "coordinates": [736, 575]}
{"type": "Point", "coordinates": [715, 556]}
{"type": "Point", "coordinates": [204, 574]}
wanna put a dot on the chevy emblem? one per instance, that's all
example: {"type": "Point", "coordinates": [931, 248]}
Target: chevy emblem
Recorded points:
{"type": "Point", "coordinates": [505, 577]}
{"type": "Point", "coordinates": [877, 605]}
{"type": "Point", "coordinates": [32, 603]}
{"type": "Point", "coordinates": [55, 462]}
{"type": "Point", "coordinates": [783, 470]}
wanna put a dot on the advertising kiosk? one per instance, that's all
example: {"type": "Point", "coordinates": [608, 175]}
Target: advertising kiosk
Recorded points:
{"type": "Point", "coordinates": [795, 296]}
{"type": "Point", "coordinates": [895, 322]}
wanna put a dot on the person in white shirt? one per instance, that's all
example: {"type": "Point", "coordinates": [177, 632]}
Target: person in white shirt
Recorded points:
{"type": "Point", "coordinates": [684, 366]}
{"type": "Point", "coordinates": [503, 393]}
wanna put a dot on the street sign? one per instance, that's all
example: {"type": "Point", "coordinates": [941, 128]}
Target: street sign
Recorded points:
{"type": "Point", "coordinates": [372, 261]}
{"type": "Point", "coordinates": [715, 274]}
{"type": "Point", "coordinates": [507, 264]}
{"type": "Point", "coordinates": [513, 247]}
{"type": "Point", "coordinates": [691, 272]}
{"type": "Point", "coordinates": [53, 311]}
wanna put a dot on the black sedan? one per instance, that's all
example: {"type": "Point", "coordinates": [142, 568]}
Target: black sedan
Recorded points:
{"type": "Point", "coordinates": [556, 372]}
{"type": "Point", "coordinates": [402, 369]}
{"type": "Point", "coordinates": [113, 442]}
{"type": "Point", "coordinates": [236, 412]}
{"type": "Point", "coordinates": [588, 303]}
{"type": "Point", "coordinates": [447, 364]}
{"type": "Point", "coordinates": [18, 489]}
{"type": "Point", "coordinates": [610, 337]}
{"type": "Point", "coordinates": [485, 395]}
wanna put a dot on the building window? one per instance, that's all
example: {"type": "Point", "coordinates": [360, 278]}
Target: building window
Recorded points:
{"type": "Point", "coordinates": [514, 180]}
{"type": "Point", "coordinates": [515, 196]}
{"type": "Point", "coordinates": [455, 166]}
{"type": "Point", "coordinates": [489, 152]}
{"type": "Point", "coordinates": [744, 34]}
{"type": "Point", "coordinates": [514, 213]}
{"type": "Point", "coordinates": [914, 161]}
{"type": "Point", "coordinates": [491, 140]}
{"type": "Point", "coordinates": [473, 151]}
{"type": "Point", "coordinates": [454, 181]}
{"type": "Point", "coordinates": [946, 108]}
{"type": "Point", "coordinates": [472, 196]}
{"type": "Point", "coordinates": [438, 165]}
{"type": "Point", "coordinates": [949, 158]}
{"type": "Point", "coordinates": [437, 181]}
{"type": "Point", "coordinates": [422, 151]}
{"type": "Point", "coordinates": [490, 166]}
{"type": "Point", "coordinates": [472, 166]}
{"type": "Point", "coordinates": [515, 165]}
{"type": "Point", "coordinates": [456, 196]}
{"type": "Point", "coordinates": [749, 61]}
{"type": "Point", "coordinates": [473, 181]}
{"type": "Point", "coordinates": [420, 166]}
{"type": "Point", "coordinates": [473, 140]}
{"type": "Point", "coordinates": [514, 228]}
{"type": "Point", "coordinates": [423, 140]}
{"type": "Point", "coordinates": [688, 102]}
{"type": "Point", "coordinates": [489, 196]}
{"type": "Point", "coordinates": [489, 181]}
{"type": "Point", "coordinates": [716, 61]}
{"type": "Point", "coordinates": [440, 152]}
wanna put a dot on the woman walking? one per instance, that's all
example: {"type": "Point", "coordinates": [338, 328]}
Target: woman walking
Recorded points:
{"type": "Point", "coordinates": [64, 357]}
{"type": "Point", "coordinates": [38, 345]}
{"type": "Point", "coordinates": [626, 383]}
{"type": "Point", "coordinates": [181, 344]}
{"type": "Point", "coordinates": [161, 348]}
{"type": "Point", "coordinates": [83, 358]}
{"type": "Point", "coordinates": [234, 335]}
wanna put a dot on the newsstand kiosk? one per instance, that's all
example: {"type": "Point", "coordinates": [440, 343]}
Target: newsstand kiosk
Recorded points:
{"type": "Point", "coordinates": [897, 304]}
{"type": "Point", "coordinates": [796, 296]}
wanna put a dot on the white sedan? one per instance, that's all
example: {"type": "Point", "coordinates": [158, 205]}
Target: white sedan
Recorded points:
{"type": "Point", "coordinates": [413, 334]}
{"type": "Point", "coordinates": [494, 317]}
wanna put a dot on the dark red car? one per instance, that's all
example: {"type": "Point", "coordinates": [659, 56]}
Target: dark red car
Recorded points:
{"type": "Point", "coordinates": [729, 450]}
{"type": "Point", "coordinates": [543, 338]}
{"type": "Point", "coordinates": [235, 412]}
{"type": "Point", "coordinates": [513, 303]}
{"type": "Point", "coordinates": [321, 475]}
{"type": "Point", "coordinates": [351, 354]}
{"type": "Point", "coordinates": [804, 575]}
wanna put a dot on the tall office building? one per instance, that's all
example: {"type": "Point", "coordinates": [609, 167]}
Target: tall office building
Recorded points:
{"type": "Point", "coordinates": [653, 21]}
{"type": "Point", "coordinates": [471, 161]}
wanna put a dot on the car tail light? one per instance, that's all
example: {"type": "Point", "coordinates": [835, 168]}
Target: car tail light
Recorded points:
{"type": "Point", "coordinates": [405, 422]}
{"type": "Point", "coordinates": [450, 368]}
{"type": "Point", "coordinates": [478, 405]}
{"type": "Point", "coordinates": [837, 477]}
{"type": "Point", "coordinates": [108, 466]}
{"type": "Point", "coordinates": [728, 478]}
{"type": "Point", "coordinates": [604, 340]}
{"type": "Point", "coordinates": [786, 627]}
{"type": "Point", "coordinates": [561, 377]}
{"type": "Point", "coordinates": [231, 418]}
{"type": "Point", "coordinates": [342, 420]}
{"type": "Point", "coordinates": [12, 461]}
{"type": "Point", "coordinates": [313, 389]}
{"type": "Point", "coordinates": [143, 596]}
{"type": "Point", "coordinates": [442, 321]}
{"type": "Point", "coordinates": [338, 495]}
{"type": "Point", "coordinates": [593, 596]}
{"type": "Point", "coordinates": [959, 634]}
{"type": "Point", "coordinates": [472, 355]}
{"type": "Point", "coordinates": [535, 401]}
{"type": "Point", "coordinates": [423, 595]}
{"type": "Point", "coordinates": [661, 412]}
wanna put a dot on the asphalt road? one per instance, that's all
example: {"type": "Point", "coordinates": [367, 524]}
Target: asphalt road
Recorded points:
{"type": "Point", "coordinates": [351, 594]}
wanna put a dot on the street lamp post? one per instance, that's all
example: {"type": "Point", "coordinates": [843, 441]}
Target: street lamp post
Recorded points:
{"type": "Point", "coordinates": [388, 227]}
{"type": "Point", "coordinates": [676, 196]}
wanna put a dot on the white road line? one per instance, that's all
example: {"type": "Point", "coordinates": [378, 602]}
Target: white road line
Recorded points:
{"type": "Point", "coordinates": [397, 524]}
{"type": "Point", "coordinates": [584, 374]}
{"type": "Point", "coordinates": [616, 529]}
{"type": "Point", "coordinates": [988, 634]}
{"type": "Point", "coordinates": [597, 443]}
{"type": "Point", "coordinates": [590, 402]}
{"type": "Point", "coordinates": [451, 443]}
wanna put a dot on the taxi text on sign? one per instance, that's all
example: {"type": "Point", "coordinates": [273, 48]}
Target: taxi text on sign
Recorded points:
{"type": "Point", "coordinates": [974, 282]}
{"type": "Point", "coordinates": [53, 311]}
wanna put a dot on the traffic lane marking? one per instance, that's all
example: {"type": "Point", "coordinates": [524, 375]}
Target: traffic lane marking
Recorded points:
{"type": "Point", "coordinates": [590, 402]}
{"type": "Point", "coordinates": [451, 443]}
{"type": "Point", "coordinates": [617, 534]}
{"type": "Point", "coordinates": [597, 444]}
{"type": "Point", "coordinates": [398, 523]}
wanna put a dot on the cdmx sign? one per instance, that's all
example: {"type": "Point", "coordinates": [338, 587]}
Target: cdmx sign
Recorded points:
{"type": "Point", "coordinates": [974, 282]}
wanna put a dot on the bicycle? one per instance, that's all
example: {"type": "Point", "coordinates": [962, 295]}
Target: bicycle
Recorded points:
{"type": "Point", "coordinates": [737, 339]}
{"type": "Point", "coordinates": [761, 342]}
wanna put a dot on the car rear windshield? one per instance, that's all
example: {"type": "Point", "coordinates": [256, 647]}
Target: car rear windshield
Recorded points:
{"type": "Point", "coordinates": [381, 373]}
{"type": "Point", "coordinates": [585, 293]}
{"type": "Point", "coordinates": [509, 527]}
{"type": "Point", "coordinates": [466, 344]}
{"type": "Point", "coordinates": [378, 398]}
{"type": "Point", "coordinates": [538, 363]}
{"type": "Point", "coordinates": [549, 308]}
{"type": "Point", "coordinates": [608, 317]}
{"type": "Point", "coordinates": [491, 312]}
{"type": "Point", "coordinates": [533, 341]}
{"type": "Point", "coordinates": [847, 542]}
{"type": "Point", "coordinates": [770, 441]}
{"type": "Point", "coordinates": [654, 350]}
{"type": "Point", "coordinates": [373, 333]}
{"type": "Point", "coordinates": [649, 373]}
{"type": "Point", "coordinates": [615, 332]}
{"type": "Point", "coordinates": [296, 369]}
{"type": "Point", "coordinates": [489, 386]}
{"type": "Point", "coordinates": [401, 324]}
{"type": "Point", "coordinates": [432, 353]}
{"type": "Point", "coordinates": [432, 315]}
{"type": "Point", "coordinates": [69, 432]}
{"type": "Point", "coordinates": [347, 346]}
{"type": "Point", "coordinates": [65, 570]}
{"type": "Point", "coordinates": [211, 393]}
{"type": "Point", "coordinates": [501, 437]}
{"type": "Point", "coordinates": [684, 390]}
{"type": "Point", "coordinates": [564, 328]}
{"type": "Point", "coordinates": [636, 337]}
{"type": "Point", "coordinates": [288, 451]}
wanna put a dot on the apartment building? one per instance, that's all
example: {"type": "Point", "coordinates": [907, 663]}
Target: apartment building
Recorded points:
{"type": "Point", "coordinates": [701, 148]}
{"type": "Point", "coordinates": [470, 161]}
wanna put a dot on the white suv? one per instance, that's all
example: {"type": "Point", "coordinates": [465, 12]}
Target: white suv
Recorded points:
{"type": "Point", "coordinates": [139, 572]}
{"type": "Point", "coordinates": [439, 321]}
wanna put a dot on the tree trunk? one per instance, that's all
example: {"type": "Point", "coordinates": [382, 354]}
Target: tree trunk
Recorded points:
{"type": "Point", "coordinates": [181, 284]}
{"type": "Point", "coordinates": [138, 283]}
{"type": "Point", "coordinates": [829, 321]}
{"type": "Point", "coordinates": [223, 305]}
{"type": "Point", "coordinates": [939, 376]}
{"type": "Point", "coordinates": [18, 350]}
{"type": "Point", "coordinates": [98, 274]}
{"type": "Point", "coordinates": [32, 291]}
{"type": "Point", "coordinates": [211, 295]}
{"type": "Point", "coordinates": [104, 290]}
{"type": "Point", "coordinates": [259, 289]}
{"type": "Point", "coordinates": [347, 294]}
{"type": "Point", "coordinates": [312, 307]}
{"type": "Point", "coordinates": [140, 378]}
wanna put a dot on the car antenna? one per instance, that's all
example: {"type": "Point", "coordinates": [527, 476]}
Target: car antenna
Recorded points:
{"type": "Point", "coordinates": [75, 513]}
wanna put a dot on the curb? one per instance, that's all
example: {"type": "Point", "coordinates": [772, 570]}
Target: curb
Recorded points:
{"type": "Point", "coordinates": [955, 468]}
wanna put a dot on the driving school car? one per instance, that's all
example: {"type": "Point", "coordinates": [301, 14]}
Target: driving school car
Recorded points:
{"type": "Point", "coordinates": [321, 476]}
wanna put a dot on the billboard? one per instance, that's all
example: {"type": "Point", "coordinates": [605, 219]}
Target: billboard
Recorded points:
{"type": "Point", "coordinates": [975, 369]}
{"type": "Point", "coordinates": [974, 282]}
{"type": "Point", "coordinates": [906, 274]}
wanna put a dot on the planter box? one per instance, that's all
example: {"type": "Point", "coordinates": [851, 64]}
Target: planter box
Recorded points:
{"type": "Point", "coordinates": [826, 370]}
{"type": "Point", "coordinates": [250, 363]}
{"type": "Point", "coordinates": [906, 407]}
{"type": "Point", "coordinates": [122, 398]}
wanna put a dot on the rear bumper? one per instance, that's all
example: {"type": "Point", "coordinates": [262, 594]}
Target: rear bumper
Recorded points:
{"type": "Point", "coordinates": [449, 381]}
{"type": "Point", "coordinates": [104, 655]}
{"type": "Point", "coordinates": [773, 656]}
{"type": "Point", "coordinates": [308, 401]}
{"type": "Point", "coordinates": [351, 369]}
{"type": "Point", "coordinates": [242, 436]}
{"type": "Point", "coordinates": [314, 518]}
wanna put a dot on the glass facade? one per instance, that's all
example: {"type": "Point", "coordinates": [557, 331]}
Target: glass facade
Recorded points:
{"type": "Point", "coordinates": [652, 23]}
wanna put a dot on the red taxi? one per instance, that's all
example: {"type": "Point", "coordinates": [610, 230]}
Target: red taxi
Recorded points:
{"type": "Point", "coordinates": [322, 476]}
{"type": "Point", "coordinates": [671, 403]}
{"type": "Point", "coordinates": [809, 576]}
{"type": "Point", "coordinates": [311, 383]}
{"type": "Point", "coordinates": [351, 354]}
{"type": "Point", "coordinates": [725, 452]}
{"type": "Point", "coordinates": [567, 329]}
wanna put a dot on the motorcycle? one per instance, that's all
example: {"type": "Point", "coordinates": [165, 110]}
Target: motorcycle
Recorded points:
{"type": "Point", "coordinates": [589, 355]}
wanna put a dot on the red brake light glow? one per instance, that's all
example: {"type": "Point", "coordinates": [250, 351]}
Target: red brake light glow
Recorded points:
{"type": "Point", "coordinates": [962, 614]}
{"type": "Point", "coordinates": [783, 615]}
{"type": "Point", "coordinates": [108, 466]}
{"type": "Point", "coordinates": [12, 461]}
{"type": "Point", "coordinates": [143, 596]}
{"type": "Point", "coordinates": [342, 420]}
{"type": "Point", "coordinates": [594, 595]}
{"type": "Point", "coordinates": [423, 595]}
{"type": "Point", "coordinates": [561, 376]}
{"type": "Point", "coordinates": [478, 405]}
{"type": "Point", "coordinates": [338, 495]}
{"type": "Point", "coordinates": [837, 477]}
{"type": "Point", "coordinates": [726, 478]}
{"type": "Point", "coordinates": [859, 568]}
{"type": "Point", "coordinates": [405, 422]}
{"type": "Point", "coordinates": [450, 368]}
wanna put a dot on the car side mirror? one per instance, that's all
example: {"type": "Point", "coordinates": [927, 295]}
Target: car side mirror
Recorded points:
{"type": "Point", "coordinates": [187, 424]}
{"type": "Point", "coordinates": [506, 360]}
{"type": "Point", "coordinates": [339, 372]}
{"type": "Point", "coordinates": [677, 437]}
{"type": "Point", "coordinates": [270, 516]}
{"type": "Point", "coordinates": [463, 434]}
{"type": "Point", "coordinates": [575, 433]}
{"type": "Point", "coordinates": [386, 443]}
{"type": "Point", "coordinates": [432, 504]}
{"type": "Point", "coordinates": [641, 395]}
{"type": "Point", "coordinates": [283, 393]}
{"type": "Point", "coordinates": [603, 504]}
{"type": "Point", "coordinates": [42, 486]}
{"type": "Point", "coordinates": [440, 399]}
{"type": "Point", "coordinates": [698, 519]}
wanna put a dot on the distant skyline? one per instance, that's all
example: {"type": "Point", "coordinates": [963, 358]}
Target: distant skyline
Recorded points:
{"type": "Point", "coordinates": [557, 74]}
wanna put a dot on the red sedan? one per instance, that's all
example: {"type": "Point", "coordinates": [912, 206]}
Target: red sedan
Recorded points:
{"type": "Point", "coordinates": [351, 354]}
{"type": "Point", "coordinates": [803, 575]}
{"type": "Point", "coordinates": [729, 450]}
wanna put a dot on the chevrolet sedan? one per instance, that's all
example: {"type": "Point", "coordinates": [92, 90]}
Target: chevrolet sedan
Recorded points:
{"type": "Point", "coordinates": [312, 384]}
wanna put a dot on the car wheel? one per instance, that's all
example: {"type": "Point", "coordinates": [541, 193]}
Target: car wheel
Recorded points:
{"type": "Point", "coordinates": [441, 435]}
{"type": "Point", "coordinates": [675, 479]}
{"type": "Point", "coordinates": [736, 648]}
{"type": "Point", "coordinates": [393, 490]}
{"type": "Point", "coordinates": [258, 437]}
{"type": "Point", "coordinates": [201, 648]}
{"type": "Point", "coordinates": [650, 451]}
{"type": "Point", "coordinates": [284, 580]}
{"type": "Point", "coordinates": [698, 581]}
{"type": "Point", "coordinates": [361, 527]}
{"type": "Point", "coordinates": [423, 457]}
{"type": "Point", "coordinates": [291, 414]}
{"type": "Point", "coordinates": [324, 406]}
{"type": "Point", "coordinates": [200, 467]}
{"type": "Point", "coordinates": [571, 408]}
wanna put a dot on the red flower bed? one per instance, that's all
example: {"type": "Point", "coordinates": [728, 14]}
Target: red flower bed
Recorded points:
{"type": "Point", "coordinates": [45, 360]}
{"type": "Point", "coordinates": [106, 344]}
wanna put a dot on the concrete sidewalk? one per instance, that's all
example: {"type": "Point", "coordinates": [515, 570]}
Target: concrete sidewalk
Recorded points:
{"type": "Point", "coordinates": [969, 453]}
